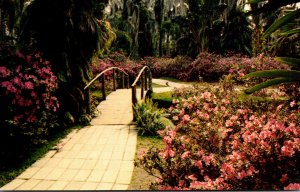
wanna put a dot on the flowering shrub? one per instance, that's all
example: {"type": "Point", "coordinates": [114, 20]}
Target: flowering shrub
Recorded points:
{"type": "Point", "coordinates": [116, 59]}
{"type": "Point", "coordinates": [170, 67]}
{"type": "Point", "coordinates": [211, 67]}
{"type": "Point", "coordinates": [27, 85]}
{"type": "Point", "coordinates": [222, 143]}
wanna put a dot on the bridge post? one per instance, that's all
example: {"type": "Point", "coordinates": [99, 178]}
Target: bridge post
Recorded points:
{"type": "Point", "coordinates": [103, 87]}
{"type": "Point", "coordinates": [127, 81]}
{"type": "Point", "coordinates": [150, 80]}
{"type": "Point", "coordinates": [114, 80]}
{"type": "Point", "coordinates": [88, 101]}
{"type": "Point", "coordinates": [134, 100]}
{"type": "Point", "coordinates": [145, 79]}
{"type": "Point", "coordinates": [123, 81]}
{"type": "Point", "coordinates": [142, 86]}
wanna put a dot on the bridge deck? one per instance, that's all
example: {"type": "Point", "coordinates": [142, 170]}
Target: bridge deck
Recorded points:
{"type": "Point", "coordinates": [95, 157]}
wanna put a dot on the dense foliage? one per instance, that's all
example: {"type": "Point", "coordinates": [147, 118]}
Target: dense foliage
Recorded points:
{"type": "Point", "coordinates": [68, 37]}
{"type": "Point", "coordinates": [211, 67]}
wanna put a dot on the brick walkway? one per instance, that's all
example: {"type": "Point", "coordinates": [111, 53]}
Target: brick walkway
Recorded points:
{"type": "Point", "coordinates": [96, 157]}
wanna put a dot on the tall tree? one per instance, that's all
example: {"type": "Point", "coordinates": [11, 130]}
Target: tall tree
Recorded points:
{"type": "Point", "coordinates": [67, 32]}
{"type": "Point", "coordinates": [10, 14]}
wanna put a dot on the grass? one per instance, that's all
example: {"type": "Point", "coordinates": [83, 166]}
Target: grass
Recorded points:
{"type": "Point", "coordinates": [163, 99]}
{"type": "Point", "coordinates": [141, 180]}
{"type": "Point", "coordinates": [97, 94]}
{"type": "Point", "coordinates": [34, 154]}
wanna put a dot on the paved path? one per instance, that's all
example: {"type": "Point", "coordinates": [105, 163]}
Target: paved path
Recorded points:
{"type": "Point", "coordinates": [171, 85]}
{"type": "Point", "coordinates": [96, 157]}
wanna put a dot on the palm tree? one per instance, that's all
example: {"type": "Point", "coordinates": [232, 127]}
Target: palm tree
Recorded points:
{"type": "Point", "coordinates": [285, 24]}
{"type": "Point", "coordinates": [10, 14]}
{"type": "Point", "coordinates": [67, 32]}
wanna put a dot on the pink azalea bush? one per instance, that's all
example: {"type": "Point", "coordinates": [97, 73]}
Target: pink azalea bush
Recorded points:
{"type": "Point", "coordinates": [223, 143]}
{"type": "Point", "coordinates": [27, 85]}
{"type": "Point", "coordinates": [211, 67]}
{"type": "Point", "coordinates": [116, 59]}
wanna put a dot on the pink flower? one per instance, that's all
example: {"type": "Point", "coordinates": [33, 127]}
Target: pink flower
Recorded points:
{"type": "Point", "coordinates": [181, 183]}
{"type": "Point", "coordinates": [32, 119]}
{"type": "Point", "coordinates": [192, 177]}
{"type": "Point", "coordinates": [279, 107]}
{"type": "Point", "coordinates": [206, 95]}
{"type": "Point", "coordinates": [200, 153]}
{"type": "Point", "coordinates": [186, 118]}
{"type": "Point", "coordinates": [3, 71]}
{"type": "Point", "coordinates": [284, 177]}
{"type": "Point", "coordinates": [28, 85]}
{"type": "Point", "coordinates": [293, 186]}
{"type": "Point", "coordinates": [235, 144]}
{"type": "Point", "coordinates": [206, 159]}
{"type": "Point", "coordinates": [287, 150]}
{"type": "Point", "coordinates": [17, 81]}
{"type": "Point", "coordinates": [142, 153]}
{"type": "Point", "coordinates": [28, 58]}
{"type": "Point", "coordinates": [225, 101]}
{"type": "Point", "coordinates": [19, 54]}
{"type": "Point", "coordinates": [198, 164]}
{"type": "Point", "coordinates": [171, 153]}
{"type": "Point", "coordinates": [175, 118]}
{"type": "Point", "coordinates": [234, 118]}
{"type": "Point", "coordinates": [172, 133]}
{"type": "Point", "coordinates": [185, 155]}
{"type": "Point", "coordinates": [168, 140]}
{"type": "Point", "coordinates": [251, 170]}
{"type": "Point", "coordinates": [241, 175]}
{"type": "Point", "coordinates": [292, 104]}
{"type": "Point", "coordinates": [228, 170]}
{"type": "Point", "coordinates": [241, 74]}
{"type": "Point", "coordinates": [228, 123]}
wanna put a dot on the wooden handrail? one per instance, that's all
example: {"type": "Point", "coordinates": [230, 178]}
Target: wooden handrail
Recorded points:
{"type": "Point", "coordinates": [146, 85]}
{"type": "Point", "coordinates": [111, 68]}
{"type": "Point", "coordinates": [102, 81]}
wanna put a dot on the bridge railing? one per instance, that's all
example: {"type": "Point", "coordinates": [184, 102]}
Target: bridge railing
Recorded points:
{"type": "Point", "coordinates": [145, 79]}
{"type": "Point", "coordinates": [102, 82]}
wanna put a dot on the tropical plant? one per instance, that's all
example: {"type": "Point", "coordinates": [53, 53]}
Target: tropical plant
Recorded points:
{"type": "Point", "coordinates": [10, 15]}
{"type": "Point", "coordinates": [236, 33]}
{"type": "Point", "coordinates": [148, 117]}
{"type": "Point", "coordinates": [68, 33]}
{"type": "Point", "coordinates": [280, 76]}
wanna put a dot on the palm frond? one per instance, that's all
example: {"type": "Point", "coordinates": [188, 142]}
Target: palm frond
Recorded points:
{"type": "Point", "coordinates": [281, 22]}
{"type": "Point", "coordinates": [275, 73]}
{"type": "Point", "coordinates": [295, 62]}
{"type": "Point", "coordinates": [255, 1]}
{"type": "Point", "coordinates": [291, 32]}
{"type": "Point", "coordinates": [268, 83]}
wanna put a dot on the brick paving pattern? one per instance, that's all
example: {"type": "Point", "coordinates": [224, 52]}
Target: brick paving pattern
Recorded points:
{"type": "Point", "coordinates": [96, 157]}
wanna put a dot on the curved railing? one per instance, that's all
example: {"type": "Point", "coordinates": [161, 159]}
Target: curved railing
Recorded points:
{"type": "Point", "coordinates": [102, 81]}
{"type": "Point", "coordinates": [145, 79]}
